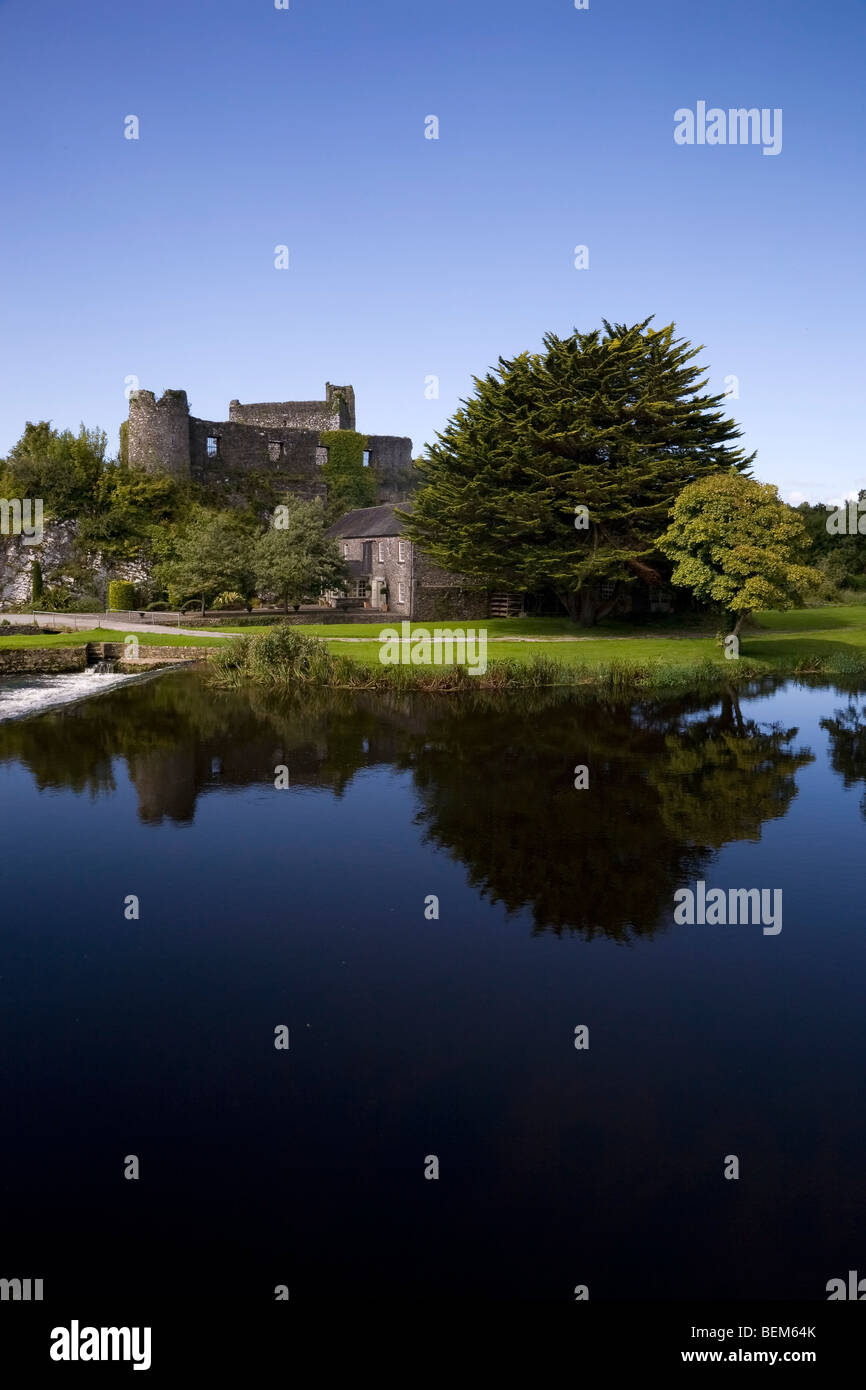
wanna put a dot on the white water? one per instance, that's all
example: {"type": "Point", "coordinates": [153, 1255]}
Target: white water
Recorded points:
{"type": "Point", "coordinates": [24, 695]}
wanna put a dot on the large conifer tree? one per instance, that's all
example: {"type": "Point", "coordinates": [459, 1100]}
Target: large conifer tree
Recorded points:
{"type": "Point", "coordinates": [614, 421]}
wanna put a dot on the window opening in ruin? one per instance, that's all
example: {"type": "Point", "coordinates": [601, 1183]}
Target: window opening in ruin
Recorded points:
{"type": "Point", "coordinates": [213, 446]}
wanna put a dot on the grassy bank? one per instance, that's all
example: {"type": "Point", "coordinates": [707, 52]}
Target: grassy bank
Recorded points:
{"type": "Point", "coordinates": [528, 652]}
{"type": "Point", "coordinates": [288, 658]}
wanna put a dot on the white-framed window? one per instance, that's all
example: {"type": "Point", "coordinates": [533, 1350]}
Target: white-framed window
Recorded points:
{"type": "Point", "coordinates": [608, 588]}
{"type": "Point", "coordinates": [381, 552]}
{"type": "Point", "coordinates": [345, 550]}
{"type": "Point", "coordinates": [401, 551]}
{"type": "Point", "coordinates": [321, 456]}
{"type": "Point", "coordinates": [362, 590]}
{"type": "Point", "coordinates": [401, 594]}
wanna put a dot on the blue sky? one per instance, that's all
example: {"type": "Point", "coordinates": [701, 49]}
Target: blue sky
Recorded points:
{"type": "Point", "coordinates": [412, 257]}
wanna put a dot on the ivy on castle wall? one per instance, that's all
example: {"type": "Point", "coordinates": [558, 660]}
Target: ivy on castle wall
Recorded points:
{"type": "Point", "coordinates": [349, 483]}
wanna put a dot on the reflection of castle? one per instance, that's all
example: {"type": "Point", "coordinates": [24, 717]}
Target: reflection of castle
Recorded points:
{"type": "Point", "coordinates": [672, 782]}
{"type": "Point", "coordinates": [169, 781]}
{"type": "Point", "coordinates": [283, 440]}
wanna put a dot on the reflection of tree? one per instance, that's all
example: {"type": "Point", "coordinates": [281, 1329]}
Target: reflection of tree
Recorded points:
{"type": "Point", "coordinates": [497, 791]}
{"type": "Point", "coordinates": [847, 730]}
{"type": "Point", "coordinates": [724, 776]}
{"type": "Point", "coordinates": [669, 781]}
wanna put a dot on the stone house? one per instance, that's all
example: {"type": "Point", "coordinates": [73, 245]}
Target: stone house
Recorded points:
{"type": "Point", "coordinates": [390, 574]}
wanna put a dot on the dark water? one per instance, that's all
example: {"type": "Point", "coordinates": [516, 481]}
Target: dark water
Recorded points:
{"type": "Point", "coordinates": [412, 1037]}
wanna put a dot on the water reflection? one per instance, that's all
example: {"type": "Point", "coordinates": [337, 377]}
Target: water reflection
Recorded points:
{"type": "Point", "coordinates": [847, 730]}
{"type": "Point", "coordinates": [670, 781]}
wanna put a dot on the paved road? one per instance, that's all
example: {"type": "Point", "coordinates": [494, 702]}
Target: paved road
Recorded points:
{"type": "Point", "coordinates": [85, 622]}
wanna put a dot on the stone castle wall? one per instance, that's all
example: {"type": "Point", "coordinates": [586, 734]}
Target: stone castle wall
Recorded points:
{"type": "Point", "coordinates": [278, 438]}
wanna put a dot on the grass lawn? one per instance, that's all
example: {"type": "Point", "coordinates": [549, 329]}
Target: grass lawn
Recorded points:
{"type": "Point", "coordinates": [777, 640]}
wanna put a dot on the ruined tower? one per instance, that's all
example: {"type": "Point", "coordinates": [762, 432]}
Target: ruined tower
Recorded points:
{"type": "Point", "coordinates": [159, 433]}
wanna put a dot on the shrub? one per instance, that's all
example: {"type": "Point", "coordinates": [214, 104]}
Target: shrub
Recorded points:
{"type": "Point", "coordinates": [86, 603]}
{"type": "Point", "coordinates": [56, 598]}
{"type": "Point", "coordinates": [36, 581]}
{"type": "Point", "coordinates": [121, 596]}
{"type": "Point", "coordinates": [159, 607]}
{"type": "Point", "coordinates": [229, 599]}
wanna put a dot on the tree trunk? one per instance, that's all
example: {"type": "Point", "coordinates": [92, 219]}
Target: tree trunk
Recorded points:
{"type": "Point", "coordinates": [735, 631]}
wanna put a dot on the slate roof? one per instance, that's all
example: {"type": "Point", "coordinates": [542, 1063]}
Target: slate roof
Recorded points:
{"type": "Point", "coordinates": [365, 522]}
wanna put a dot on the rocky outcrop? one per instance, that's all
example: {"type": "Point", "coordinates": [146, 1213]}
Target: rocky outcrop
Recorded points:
{"type": "Point", "coordinates": [57, 556]}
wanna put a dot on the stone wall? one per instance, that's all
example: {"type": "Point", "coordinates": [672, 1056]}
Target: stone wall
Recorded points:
{"type": "Point", "coordinates": [449, 604]}
{"type": "Point", "coordinates": [392, 466]}
{"type": "Point", "coordinates": [116, 651]}
{"type": "Point", "coordinates": [19, 661]}
{"type": "Point", "coordinates": [335, 412]}
{"type": "Point", "coordinates": [260, 619]}
{"type": "Point", "coordinates": [443, 594]}
{"type": "Point", "coordinates": [286, 457]}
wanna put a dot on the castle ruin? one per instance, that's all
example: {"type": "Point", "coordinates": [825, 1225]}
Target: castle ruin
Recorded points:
{"type": "Point", "coordinates": [279, 440]}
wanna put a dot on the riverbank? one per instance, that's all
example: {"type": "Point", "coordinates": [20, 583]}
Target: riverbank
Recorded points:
{"type": "Point", "coordinates": [529, 652]}
{"type": "Point", "coordinates": [284, 658]}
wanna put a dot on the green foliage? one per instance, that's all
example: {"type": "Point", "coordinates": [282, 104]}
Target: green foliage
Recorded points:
{"type": "Point", "coordinates": [62, 468]}
{"type": "Point", "coordinates": [129, 508]}
{"type": "Point", "coordinates": [614, 421]}
{"type": "Point", "coordinates": [121, 596]}
{"type": "Point", "coordinates": [281, 657]}
{"type": "Point", "coordinates": [841, 558]}
{"type": "Point", "coordinates": [294, 559]}
{"type": "Point", "coordinates": [37, 587]}
{"type": "Point", "coordinates": [735, 543]}
{"type": "Point", "coordinates": [350, 484]}
{"type": "Point", "coordinates": [210, 553]}
{"type": "Point", "coordinates": [159, 607]}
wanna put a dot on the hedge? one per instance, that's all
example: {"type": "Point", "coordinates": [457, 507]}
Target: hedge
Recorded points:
{"type": "Point", "coordinates": [121, 596]}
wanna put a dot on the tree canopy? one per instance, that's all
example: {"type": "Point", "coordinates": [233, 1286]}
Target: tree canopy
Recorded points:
{"type": "Point", "coordinates": [614, 422]}
{"type": "Point", "coordinates": [734, 542]}
{"type": "Point", "coordinates": [294, 559]}
{"type": "Point", "coordinates": [211, 553]}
